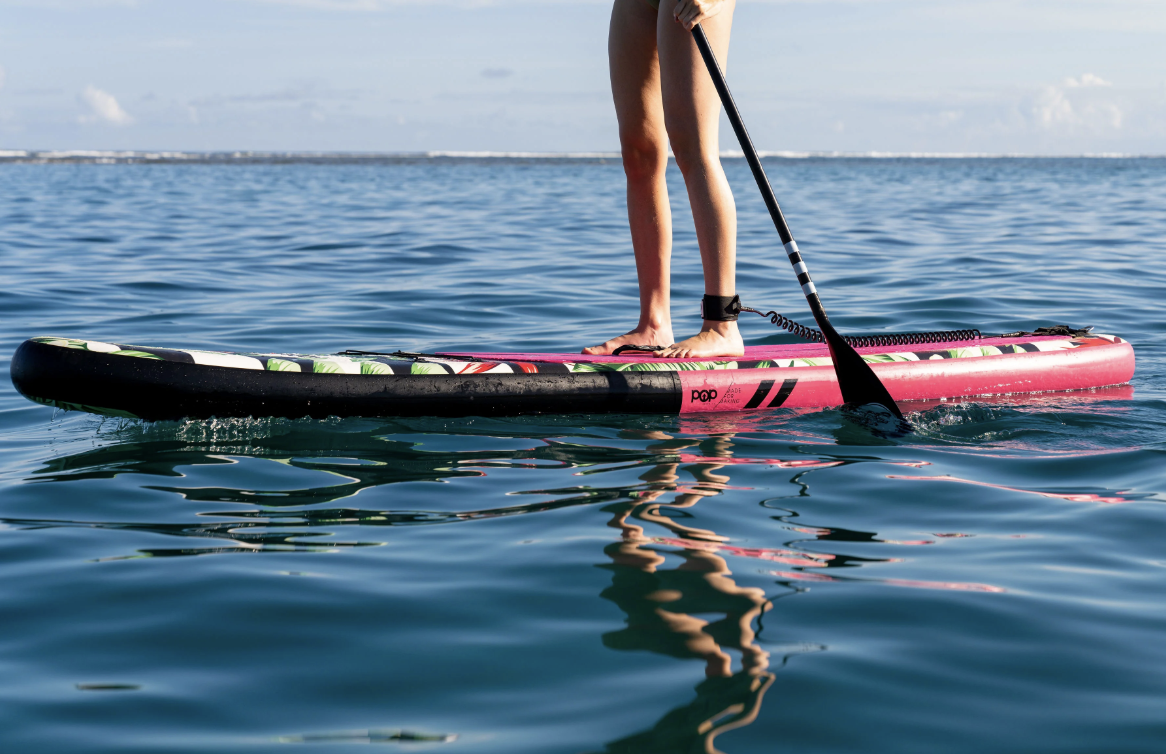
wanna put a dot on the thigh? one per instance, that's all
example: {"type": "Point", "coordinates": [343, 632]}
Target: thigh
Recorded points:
{"type": "Point", "coordinates": [635, 70]}
{"type": "Point", "coordinates": [691, 105]}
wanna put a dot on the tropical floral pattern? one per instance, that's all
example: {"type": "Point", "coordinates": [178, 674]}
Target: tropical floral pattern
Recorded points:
{"type": "Point", "coordinates": [376, 364]}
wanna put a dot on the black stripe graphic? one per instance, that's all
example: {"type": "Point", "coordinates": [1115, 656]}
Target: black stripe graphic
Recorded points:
{"type": "Point", "coordinates": [762, 391]}
{"type": "Point", "coordinates": [787, 387]}
{"type": "Point", "coordinates": [795, 258]}
{"type": "Point", "coordinates": [803, 278]}
{"type": "Point", "coordinates": [1030, 347]}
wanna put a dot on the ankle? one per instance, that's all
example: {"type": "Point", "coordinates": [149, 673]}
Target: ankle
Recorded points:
{"type": "Point", "coordinates": [720, 327]}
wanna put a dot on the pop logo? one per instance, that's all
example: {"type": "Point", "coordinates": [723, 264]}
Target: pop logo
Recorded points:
{"type": "Point", "coordinates": [704, 396]}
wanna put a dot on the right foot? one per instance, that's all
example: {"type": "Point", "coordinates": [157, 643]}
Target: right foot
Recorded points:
{"type": "Point", "coordinates": [641, 336]}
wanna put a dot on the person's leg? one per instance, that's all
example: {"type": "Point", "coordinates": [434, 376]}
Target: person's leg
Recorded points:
{"type": "Point", "coordinates": [635, 86]}
{"type": "Point", "coordinates": [692, 115]}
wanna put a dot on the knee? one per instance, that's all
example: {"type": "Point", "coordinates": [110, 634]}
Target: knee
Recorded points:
{"type": "Point", "coordinates": [643, 159]}
{"type": "Point", "coordinates": [693, 157]}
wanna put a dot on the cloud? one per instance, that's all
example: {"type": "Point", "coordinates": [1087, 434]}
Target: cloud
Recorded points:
{"type": "Point", "coordinates": [1052, 107]}
{"type": "Point", "coordinates": [497, 73]}
{"type": "Point", "coordinates": [2, 75]}
{"type": "Point", "coordinates": [1087, 79]}
{"type": "Point", "coordinates": [103, 107]}
{"type": "Point", "coordinates": [1076, 105]}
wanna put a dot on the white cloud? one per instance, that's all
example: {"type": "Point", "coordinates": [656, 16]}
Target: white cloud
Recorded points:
{"type": "Point", "coordinates": [1053, 108]}
{"type": "Point", "coordinates": [1072, 106]}
{"type": "Point", "coordinates": [2, 77]}
{"type": "Point", "coordinates": [1087, 79]}
{"type": "Point", "coordinates": [103, 107]}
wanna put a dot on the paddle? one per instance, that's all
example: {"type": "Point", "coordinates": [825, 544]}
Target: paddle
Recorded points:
{"type": "Point", "coordinates": [855, 377]}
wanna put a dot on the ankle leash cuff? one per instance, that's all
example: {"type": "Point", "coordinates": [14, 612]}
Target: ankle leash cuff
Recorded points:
{"type": "Point", "coordinates": [720, 308]}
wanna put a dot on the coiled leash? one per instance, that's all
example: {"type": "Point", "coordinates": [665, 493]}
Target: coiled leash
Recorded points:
{"type": "Point", "coordinates": [727, 309]}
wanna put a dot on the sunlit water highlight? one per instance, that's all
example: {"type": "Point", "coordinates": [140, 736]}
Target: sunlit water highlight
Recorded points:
{"type": "Point", "coordinates": [994, 581]}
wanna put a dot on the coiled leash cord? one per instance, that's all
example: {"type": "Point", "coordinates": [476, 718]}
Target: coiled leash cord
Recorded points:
{"type": "Point", "coordinates": [864, 341]}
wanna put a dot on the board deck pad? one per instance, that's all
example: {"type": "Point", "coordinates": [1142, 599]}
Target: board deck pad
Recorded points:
{"type": "Point", "coordinates": [56, 370]}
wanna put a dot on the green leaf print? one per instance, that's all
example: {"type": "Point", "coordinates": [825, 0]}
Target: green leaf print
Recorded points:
{"type": "Point", "coordinates": [325, 367]}
{"type": "Point", "coordinates": [139, 354]}
{"type": "Point", "coordinates": [648, 366]}
{"type": "Point", "coordinates": [62, 342]}
{"type": "Point", "coordinates": [375, 367]}
{"type": "Point", "coordinates": [282, 365]}
{"type": "Point", "coordinates": [594, 367]}
{"type": "Point", "coordinates": [421, 367]}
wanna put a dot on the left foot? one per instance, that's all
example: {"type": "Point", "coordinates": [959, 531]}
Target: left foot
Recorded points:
{"type": "Point", "coordinates": [715, 339]}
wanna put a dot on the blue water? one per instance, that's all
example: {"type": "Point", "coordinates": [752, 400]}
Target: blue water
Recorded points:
{"type": "Point", "coordinates": [993, 582]}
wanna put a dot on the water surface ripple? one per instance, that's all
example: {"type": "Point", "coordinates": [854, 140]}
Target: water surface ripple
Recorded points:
{"type": "Point", "coordinates": [995, 581]}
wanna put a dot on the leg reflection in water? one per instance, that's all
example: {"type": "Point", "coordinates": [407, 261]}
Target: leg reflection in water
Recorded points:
{"type": "Point", "coordinates": [661, 604]}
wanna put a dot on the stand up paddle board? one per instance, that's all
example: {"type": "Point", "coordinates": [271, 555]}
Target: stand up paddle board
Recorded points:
{"type": "Point", "coordinates": [173, 383]}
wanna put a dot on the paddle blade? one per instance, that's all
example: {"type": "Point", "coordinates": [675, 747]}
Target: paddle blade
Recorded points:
{"type": "Point", "coordinates": [857, 380]}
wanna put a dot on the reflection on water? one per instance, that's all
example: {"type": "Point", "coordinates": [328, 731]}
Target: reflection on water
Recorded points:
{"type": "Point", "coordinates": [671, 574]}
{"type": "Point", "coordinates": [367, 737]}
{"type": "Point", "coordinates": [1076, 497]}
{"type": "Point", "coordinates": [661, 604]}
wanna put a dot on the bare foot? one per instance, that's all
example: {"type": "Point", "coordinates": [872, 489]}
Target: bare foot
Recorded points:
{"type": "Point", "coordinates": [641, 336]}
{"type": "Point", "coordinates": [715, 339]}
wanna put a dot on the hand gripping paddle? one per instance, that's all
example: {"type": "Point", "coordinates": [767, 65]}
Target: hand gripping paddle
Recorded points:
{"type": "Point", "coordinates": [855, 377]}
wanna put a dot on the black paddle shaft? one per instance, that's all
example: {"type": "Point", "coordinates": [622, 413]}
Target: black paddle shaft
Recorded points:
{"type": "Point", "coordinates": [857, 381]}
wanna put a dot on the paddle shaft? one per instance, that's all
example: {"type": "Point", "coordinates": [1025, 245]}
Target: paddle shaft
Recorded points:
{"type": "Point", "coordinates": [856, 379]}
{"type": "Point", "coordinates": [787, 238]}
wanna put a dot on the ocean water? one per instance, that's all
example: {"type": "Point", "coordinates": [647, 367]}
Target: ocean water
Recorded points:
{"type": "Point", "coordinates": [994, 581]}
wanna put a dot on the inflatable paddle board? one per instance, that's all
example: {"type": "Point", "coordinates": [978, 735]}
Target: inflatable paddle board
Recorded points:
{"type": "Point", "coordinates": [172, 383]}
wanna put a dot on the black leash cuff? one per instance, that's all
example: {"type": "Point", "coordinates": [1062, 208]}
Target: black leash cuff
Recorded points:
{"type": "Point", "coordinates": [720, 308]}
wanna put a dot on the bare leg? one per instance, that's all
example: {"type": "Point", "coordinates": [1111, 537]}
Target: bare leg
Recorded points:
{"type": "Point", "coordinates": [635, 86]}
{"type": "Point", "coordinates": [692, 115]}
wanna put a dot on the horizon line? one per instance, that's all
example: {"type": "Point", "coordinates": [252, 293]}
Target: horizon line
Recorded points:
{"type": "Point", "coordinates": [112, 156]}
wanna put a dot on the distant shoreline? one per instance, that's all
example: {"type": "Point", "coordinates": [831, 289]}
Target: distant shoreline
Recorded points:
{"type": "Point", "coordinates": [30, 156]}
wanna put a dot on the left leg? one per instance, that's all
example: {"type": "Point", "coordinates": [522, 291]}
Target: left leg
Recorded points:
{"type": "Point", "coordinates": [692, 111]}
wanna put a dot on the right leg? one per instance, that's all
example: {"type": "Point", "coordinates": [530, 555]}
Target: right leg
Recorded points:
{"type": "Point", "coordinates": [635, 86]}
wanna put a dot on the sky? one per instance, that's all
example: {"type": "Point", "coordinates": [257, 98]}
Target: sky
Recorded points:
{"type": "Point", "coordinates": [958, 76]}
